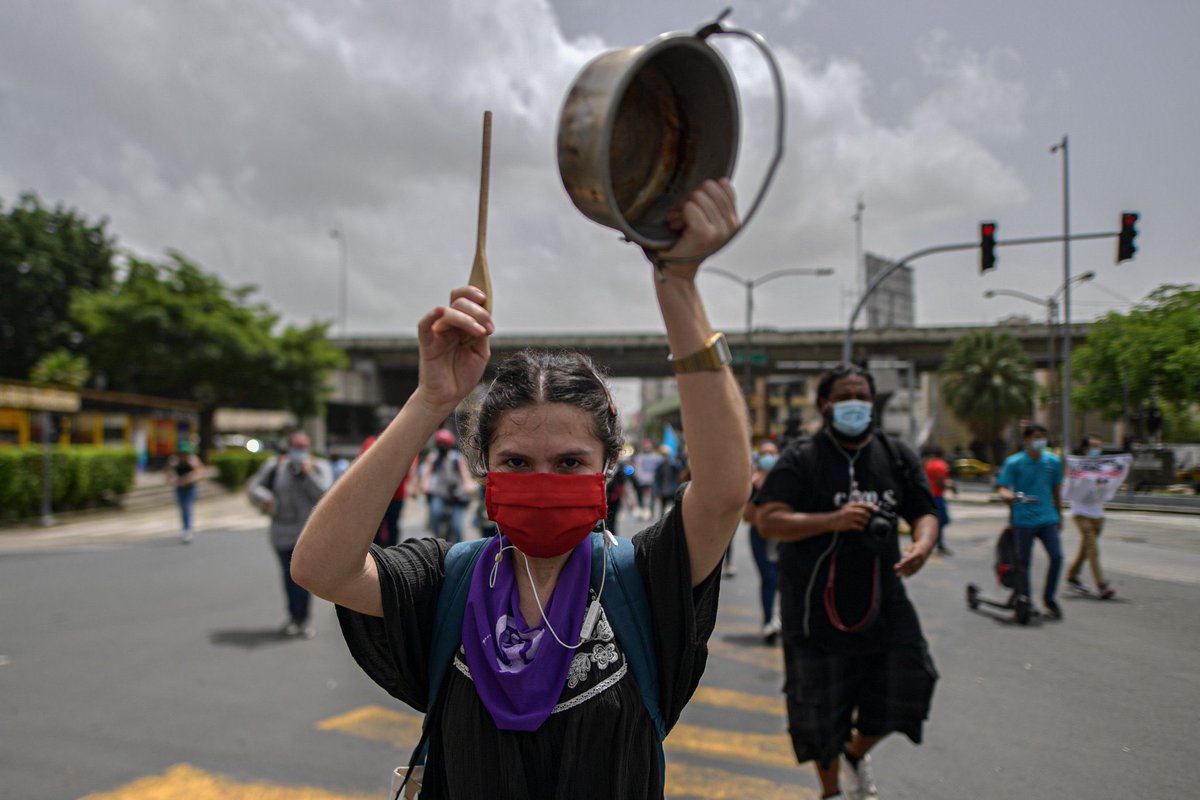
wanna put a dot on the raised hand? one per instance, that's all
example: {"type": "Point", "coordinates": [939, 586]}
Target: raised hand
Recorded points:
{"type": "Point", "coordinates": [454, 347]}
{"type": "Point", "coordinates": [706, 219]}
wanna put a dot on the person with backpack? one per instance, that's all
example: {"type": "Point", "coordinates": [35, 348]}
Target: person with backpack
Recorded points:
{"type": "Point", "coordinates": [287, 488]}
{"type": "Point", "coordinates": [551, 659]}
{"type": "Point", "coordinates": [857, 666]}
{"type": "Point", "coordinates": [446, 483]}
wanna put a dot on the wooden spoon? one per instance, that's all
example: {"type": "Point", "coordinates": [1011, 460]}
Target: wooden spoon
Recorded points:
{"type": "Point", "coordinates": [479, 269]}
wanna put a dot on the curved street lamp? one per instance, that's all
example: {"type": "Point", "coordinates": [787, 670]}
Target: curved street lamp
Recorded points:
{"type": "Point", "coordinates": [749, 285]}
{"type": "Point", "coordinates": [1051, 305]}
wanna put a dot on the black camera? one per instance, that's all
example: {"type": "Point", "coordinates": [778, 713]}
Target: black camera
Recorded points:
{"type": "Point", "coordinates": [880, 527]}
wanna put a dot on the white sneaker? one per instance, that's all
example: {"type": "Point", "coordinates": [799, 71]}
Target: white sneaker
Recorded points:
{"type": "Point", "coordinates": [862, 786]}
{"type": "Point", "coordinates": [770, 631]}
{"type": "Point", "coordinates": [186, 537]}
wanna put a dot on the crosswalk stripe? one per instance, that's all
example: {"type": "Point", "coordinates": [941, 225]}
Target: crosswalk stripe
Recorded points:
{"type": "Point", "coordinates": [377, 724]}
{"type": "Point", "coordinates": [399, 728]}
{"type": "Point", "coordinates": [773, 750]}
{"type": "Point", "coordinates": [185, 782]}
{"type": "Point", "coordinates": [768, 658]}
{"type": "Point", "coordinates": [740, 701]}
{"type": "Point", "coordinates": [686, 781]}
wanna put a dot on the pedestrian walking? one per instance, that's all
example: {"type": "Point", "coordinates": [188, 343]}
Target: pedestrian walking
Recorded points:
{"type": "Point", "coordinates": [857, 666]}
{"type": "Point", "coordinates": [287, 488]}
{"type": "Point", "coordinates": [576, 651]}
{"type": "Point", "coordinates": [1029, 483]}
{"type": "Point", "coordinates": [766, 552]}
{"type": "Point", "coordinates": [937, 473]}
{"type": "Point", "coordinates": [388, 533]}
{"type": "Point", "coordinates": [1087, 509]}
{"type": "Point", "coordinates": [666, 479]}
{"type": "Point", "coordinates": [645, 464]}
{"type": "Point", "coordinates": [184, 470]}
{"type": "Point", "coordinates": [446, 483]}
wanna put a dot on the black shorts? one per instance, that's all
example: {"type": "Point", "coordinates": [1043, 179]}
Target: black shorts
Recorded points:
{"type": "Point", "coordinates": [829, 695]}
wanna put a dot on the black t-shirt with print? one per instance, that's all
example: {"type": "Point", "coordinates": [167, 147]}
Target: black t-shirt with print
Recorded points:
{"type": "Point", "coordinates": [814, 477]}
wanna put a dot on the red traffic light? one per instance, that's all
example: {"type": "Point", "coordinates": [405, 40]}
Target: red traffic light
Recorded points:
{"type": "Point", "coordinates": [987, 246]}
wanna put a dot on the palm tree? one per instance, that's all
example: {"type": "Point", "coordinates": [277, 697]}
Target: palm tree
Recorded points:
{"type": "Point", "coordinates": [987, 380]}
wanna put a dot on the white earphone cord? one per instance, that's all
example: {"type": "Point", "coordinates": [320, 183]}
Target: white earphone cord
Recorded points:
{"type": "Point", "coordinates": [536, 599]}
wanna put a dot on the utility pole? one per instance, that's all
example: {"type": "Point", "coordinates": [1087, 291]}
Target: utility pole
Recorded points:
{"type": "Point", "coordinates": [1066, 304]}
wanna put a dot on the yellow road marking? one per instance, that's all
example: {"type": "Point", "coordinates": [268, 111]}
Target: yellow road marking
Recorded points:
{"type": "Point", "coordinates": [774, 750]}
{"type": "Point", "coordinates": [705, 783]}
{"type": "Point", "coordinates": [769, 658]}
{"type": "Point", "coordinates": [742, 701]}
{"type": "Point", "coordinates": [185, 782]}
{"type": "Point", "coordinates": [378, 724]}
{"type": "Point", "coordinates": [731, 610]}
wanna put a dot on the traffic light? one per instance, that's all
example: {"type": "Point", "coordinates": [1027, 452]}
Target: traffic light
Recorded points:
{"type": "Point", "coordinates": [987, 246]}
{"type": "Point", "coordinates": [1125, 246]}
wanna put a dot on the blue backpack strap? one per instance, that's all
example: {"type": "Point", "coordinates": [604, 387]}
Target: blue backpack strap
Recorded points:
{"type": "Point", "coordinates": [628, 611]}
{"type": "Point", "coordinates": [447, 624]}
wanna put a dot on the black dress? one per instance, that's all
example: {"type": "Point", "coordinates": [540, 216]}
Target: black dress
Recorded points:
{"type": "Point", "coordinates": [599, 742]}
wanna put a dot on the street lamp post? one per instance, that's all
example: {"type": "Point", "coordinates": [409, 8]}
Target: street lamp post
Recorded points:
{"type": "Point", "coordinates": [1051, 305]}
{"type": "Point", "coordinates": [340, 236]}
{"type": "Point", "coordinates": [749, 285]}
{"type": "Point", "coordinates": [1066, 346]}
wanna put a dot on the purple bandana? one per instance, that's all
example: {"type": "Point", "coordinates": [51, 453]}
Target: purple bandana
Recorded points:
{"type": "Point", "coordinates": [519, 672]}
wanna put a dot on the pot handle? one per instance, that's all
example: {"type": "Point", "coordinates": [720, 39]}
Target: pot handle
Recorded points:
{"type": "Point", "coordinates": [716, 28]}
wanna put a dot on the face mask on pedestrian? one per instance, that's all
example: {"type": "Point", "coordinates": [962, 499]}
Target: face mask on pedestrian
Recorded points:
{"type": "Point", "coordinates": [1095, 452]}
{"type": "Point", "coordinates": [766, 462]}
{"type": "Point", "coordinates": [1038, 445]}
{"type": "Point", "coordinates": [545, 514]}
{"type": "Point", "coordinates": [851, 417]}
{"type": "Point", "coordinates": [298, 455]}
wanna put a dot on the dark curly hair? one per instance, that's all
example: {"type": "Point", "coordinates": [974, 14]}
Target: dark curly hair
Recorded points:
{"type": "Point", "coordinates": [532, 377]}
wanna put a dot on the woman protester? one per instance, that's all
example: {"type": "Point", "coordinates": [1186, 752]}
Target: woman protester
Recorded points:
{"type": "Point", "coordinates": [541, 699]}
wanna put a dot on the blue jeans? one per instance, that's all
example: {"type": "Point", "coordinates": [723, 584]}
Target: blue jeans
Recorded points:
{"type": "Point", "coordinates": [768, 573]}
{"type": "Point", "coordinates": [438, 506]}
{"type": "Point", "coordinates": [943, 516]}
{"type": "Point", "coordinates": [1052, 541]}
{"type": "Point", "coordinates": [297, 596]}
{"type": "Point", "coordinates": [186, 497]}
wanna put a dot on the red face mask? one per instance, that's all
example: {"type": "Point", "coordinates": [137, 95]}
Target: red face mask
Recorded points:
{"type": "Point", "coordinates": [544, 514]}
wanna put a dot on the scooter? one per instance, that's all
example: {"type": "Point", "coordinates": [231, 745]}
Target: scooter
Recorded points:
{"type": "Point", "coordinates": [1010, 574]}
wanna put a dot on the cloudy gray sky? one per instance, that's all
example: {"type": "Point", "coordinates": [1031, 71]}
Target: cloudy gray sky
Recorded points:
{"type": "Point", "coordinates": [241, 133]}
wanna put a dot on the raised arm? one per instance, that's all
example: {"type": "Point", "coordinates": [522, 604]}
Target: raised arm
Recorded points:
{"type": "Point", "coordinates": [711, 407]}
{"type": "Point", "coordinates": [332, 558]}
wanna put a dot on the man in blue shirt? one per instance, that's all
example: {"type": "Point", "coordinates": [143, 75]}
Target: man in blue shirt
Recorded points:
{"type": "Point", "coordinates": [1029, 482]}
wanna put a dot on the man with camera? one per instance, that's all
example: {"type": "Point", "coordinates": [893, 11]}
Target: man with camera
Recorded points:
{"type": "Point", "coordinates": [857, 665]}
{"type": "Point", "coordinates": [287, 488]}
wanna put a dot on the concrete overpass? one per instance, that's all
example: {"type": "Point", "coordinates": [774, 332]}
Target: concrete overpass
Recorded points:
{"type": "Point", "coordinates": [384, 369]}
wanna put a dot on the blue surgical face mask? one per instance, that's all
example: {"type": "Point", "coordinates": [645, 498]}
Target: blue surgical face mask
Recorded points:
{"type": "Point", "coordinates": [851, 417]}
{"type": "Point", "coordinates": [1095, 452]}
{"type": "Point", "coordinates": [1038, 444]}
{"type": "Point", "coordinates": [298, 454]}
{"type": "Point", "coordinates": [766, 462]}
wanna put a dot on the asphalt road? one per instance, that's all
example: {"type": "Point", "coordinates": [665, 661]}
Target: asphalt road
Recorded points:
{"type": "Point", "coordinates": [134, 667]}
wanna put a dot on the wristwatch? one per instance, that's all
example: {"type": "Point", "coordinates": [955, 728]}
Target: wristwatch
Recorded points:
{"type": "Point", "coordinates": [715, 355]}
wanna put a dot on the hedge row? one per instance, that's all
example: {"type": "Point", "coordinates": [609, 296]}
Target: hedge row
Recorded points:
{"type": "Point", "coordinates": [234, 467]}
{"type": "Point", "coordinates": [79, 477]}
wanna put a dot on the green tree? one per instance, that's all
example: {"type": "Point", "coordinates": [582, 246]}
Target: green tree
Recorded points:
{"type": "Point", "coordinates": [1148, 357]}
{"type": "Point", "coordinates": [45, 255]}
{"type": "Point", "coordinates": [61, 368]}
{"type": "Point", "coordinates": [987, 380]}
{"type": "Point", "coordinates": [174, 330]}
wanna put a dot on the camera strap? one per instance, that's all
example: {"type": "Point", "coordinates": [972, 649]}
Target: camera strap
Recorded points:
{"type": "Point", "coordinates": [831, 611]}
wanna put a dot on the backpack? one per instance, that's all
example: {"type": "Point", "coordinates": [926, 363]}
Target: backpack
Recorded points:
{"type": "Point", "coordinates": [624, 602]}
{"type": "Point", "coordinates": [1006, 559]}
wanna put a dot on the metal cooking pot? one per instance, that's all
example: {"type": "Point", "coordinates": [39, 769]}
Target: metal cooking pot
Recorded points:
{"type": "Point", "coordinates": [642, 127]}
